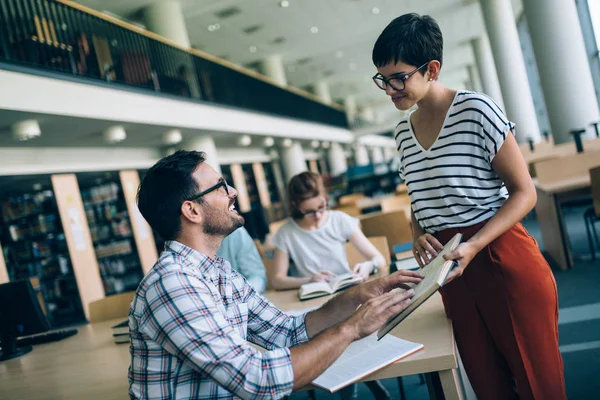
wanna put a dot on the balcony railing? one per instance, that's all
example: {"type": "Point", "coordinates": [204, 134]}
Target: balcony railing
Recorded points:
{"type": "Point", "coordinates": [70, 39]}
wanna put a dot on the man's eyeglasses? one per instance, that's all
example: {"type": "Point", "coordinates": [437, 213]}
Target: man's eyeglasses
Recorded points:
{"type": "Point", "coordinates": [397, 82]}
{"type": "Point", "coordinates": [221, 184]}
{"type": "Point", "coordinates": [311, 213]}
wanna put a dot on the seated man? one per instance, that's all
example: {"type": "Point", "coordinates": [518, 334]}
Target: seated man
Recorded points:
{"type": "Point", "coordinates": [192, 316]}
{"type": "Point", "coordinates": [239, 249]}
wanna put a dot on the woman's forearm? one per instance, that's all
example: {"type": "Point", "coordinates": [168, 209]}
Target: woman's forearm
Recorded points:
{"type": "Point", "coordinates": [514, 209]}
{"type": "Point", "coordinates": [288, 282]}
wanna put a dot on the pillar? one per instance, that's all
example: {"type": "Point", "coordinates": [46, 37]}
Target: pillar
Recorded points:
{"type": "Point", "coordinates": [367, 115]}
{"type": "Point", "coordinates": [321, 90]}
{"type": "Point", "coordinates": [487, 70]}
{"type": "Point", "coordinates": [389, 154]}
{"type": "Point", "coordinates": [207, 145]}
{"type": "Point", "coordinates": [563, 67]}
{"type": "Point", "coordinates": [337, 159]}
{"type": "Point", "coordinates": [292, 159]}
{"type": "Point", "coordinates": [272, 67]}
{"type": "Point", "coordinates": [377, 155]}
{"type": "Point", "coordinates": [474, 80]}
{"type": "Point", "coordinates": [166, 19]}
{"type": "Point", "coordinates": [350, 108]}
{"type": "Point", "coordinates": [361, 155]}
{"type": "Point", "coordinates": [506, 48]}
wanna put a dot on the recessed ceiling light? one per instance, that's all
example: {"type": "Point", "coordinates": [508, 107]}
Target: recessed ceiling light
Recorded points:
{"type": "Point", "coordinates": [339, 54]}
{"type": "Point", "coordinates": [325, 145]}
{"type": "Point", "coordinates": [25, 130]}
{"type": "Point", "coordinates": [114, 134]}
{"type": "Point", "coordinates": [352, 66]}
{"type": "Point", "coordinates": [253, 49]}
{"type": "Point", "coordinates": [244, 140]}
{"type": "Point", "coordinates": [315, 144]}
{"type": "Point", "coordinates": [375, 10]}
{"type": "Point", "coordinates": [314, 29]}
{"type": "Point", "coordinates": [287, 142]}
{"type": "Point", "coordinates": [284, 3]}
{"type": "Point", "coordinates": [214, 27]}
{"type": "Point", "coordinates": [172, 137]}
{"type": "Point", "coordinates": [268, 142]}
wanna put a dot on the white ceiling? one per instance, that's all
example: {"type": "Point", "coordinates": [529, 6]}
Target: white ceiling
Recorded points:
{"type": "Point", "coordinates": [340, 53]}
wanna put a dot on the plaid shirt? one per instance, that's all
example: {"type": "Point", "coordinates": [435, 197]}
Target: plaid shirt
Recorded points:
{"type": "Point", "coordinates": [190, 321]}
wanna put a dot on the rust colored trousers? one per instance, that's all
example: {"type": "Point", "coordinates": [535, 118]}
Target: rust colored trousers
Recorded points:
{"type": "Point", "coordinates": [504, 310]}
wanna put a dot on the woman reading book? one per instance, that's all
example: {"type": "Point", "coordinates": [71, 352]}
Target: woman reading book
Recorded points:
{"type": "Point", "coordinates": [465, 174]}
{"type": "Point", "coordinates": [315, 239]}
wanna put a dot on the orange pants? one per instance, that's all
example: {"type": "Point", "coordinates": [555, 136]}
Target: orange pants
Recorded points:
{"type": "Point", "coordinates": [504, 310]}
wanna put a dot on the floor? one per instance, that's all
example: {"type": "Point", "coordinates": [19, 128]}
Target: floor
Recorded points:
{"type": "Point", "coordinates": [579, 323]}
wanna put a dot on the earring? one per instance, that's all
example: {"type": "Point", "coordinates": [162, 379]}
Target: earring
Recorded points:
{"type": "Point", "coordinates": [430, 79]}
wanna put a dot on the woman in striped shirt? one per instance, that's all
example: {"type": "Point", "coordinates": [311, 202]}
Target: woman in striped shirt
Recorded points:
{"type": "Point", "coordinates": [465, 173]}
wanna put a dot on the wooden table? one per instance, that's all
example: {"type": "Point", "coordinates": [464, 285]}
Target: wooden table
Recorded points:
{"type": "Point", "coordinates": [90, 366]}
{"type": "Point", "coordinates": [551, 219]}
{"type": "Point", "coordinates": [427, 325]}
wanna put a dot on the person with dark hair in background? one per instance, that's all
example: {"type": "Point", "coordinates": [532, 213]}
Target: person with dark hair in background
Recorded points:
{"type": "Point", "coordinates": [465, 173]}
{"type": "Point", "coordinates": [315, 239]}
{"type": "Point", "coordinates": [192, 317]}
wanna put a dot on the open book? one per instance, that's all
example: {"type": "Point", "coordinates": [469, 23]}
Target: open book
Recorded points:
{"type": "Point", "coordinates": [362, 358]}
{"type": "Point", "coordinates": [318, 289]}
{"type": "Point", "coordinates": [435, 274]}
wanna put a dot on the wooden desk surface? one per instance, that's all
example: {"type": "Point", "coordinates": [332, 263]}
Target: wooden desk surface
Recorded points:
{"type": "Point", "coordinates": [90, 366]}
{"type": "Point", "coordinates": [427, 325]}
{"type": "Point", "coordinates": [565, 185]}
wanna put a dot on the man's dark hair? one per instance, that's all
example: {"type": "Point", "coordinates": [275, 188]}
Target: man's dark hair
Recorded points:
{"type": "Point", "coordinates": [412, 39]}
{"type": "Point", "coordinates": [164, 189]}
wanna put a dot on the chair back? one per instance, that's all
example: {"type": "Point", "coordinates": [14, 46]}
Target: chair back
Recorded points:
{"type": "Point", "coordinates": [393, 225]}
{"type": "Point", "coordinates": [595, 179]}
{"type": "Point", "coordinates": [380, 243]}
{"type": "Point", "coordinates": [111, 307]}
{"type": "Point", "coordinates": [396, 203]}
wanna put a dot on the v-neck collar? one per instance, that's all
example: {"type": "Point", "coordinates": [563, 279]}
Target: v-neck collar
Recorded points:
{"type": "Point", "coordinates": [412, 132]}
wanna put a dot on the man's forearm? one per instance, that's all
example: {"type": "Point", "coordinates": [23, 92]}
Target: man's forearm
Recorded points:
{"type": "Point", "coordinates": [310, 359]}
{"type": "Point", "coordinates": [333, 312]}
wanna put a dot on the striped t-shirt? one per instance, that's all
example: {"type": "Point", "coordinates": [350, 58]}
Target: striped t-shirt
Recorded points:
{"type": "Point", "coordinates": [452, 184]}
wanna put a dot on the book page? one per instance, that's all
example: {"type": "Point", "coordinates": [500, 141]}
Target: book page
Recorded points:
{"type": "Point", "coordinates": [314, 287]}
{"type": "Point", "coordinates": [362, 358]}
{"type": "Point", "coordinates": [343, 280]}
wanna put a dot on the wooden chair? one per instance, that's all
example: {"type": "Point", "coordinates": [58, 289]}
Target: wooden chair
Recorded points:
{"type": "Point", "coordinates": [380, 243]}
{"type": "Point", "coordinates": [592, 215]}
{"type": "Point", "coordinates": [350, 210]}
{"type": "Point", "coordinates": [396, 203]}
{"type": "Point", "coordinates": [350, 199]}
{"type": "Point", "coordinates": [393, 225]}
{"type": "Point", "coordinates": [111, 307]}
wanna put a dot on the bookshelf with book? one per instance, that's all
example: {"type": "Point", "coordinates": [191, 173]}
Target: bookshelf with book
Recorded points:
{"type": "Point", "coordinates": [34, 247]}
{"type": "Point", "coordinates": [111, 232]}
{"type": "Point", "coordinates": [251, 186]}
{"type": "Point", "coordinates": [276, 211]}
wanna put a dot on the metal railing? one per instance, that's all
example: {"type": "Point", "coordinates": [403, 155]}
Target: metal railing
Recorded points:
{"type": "Point", "coordinates": [69, 39]}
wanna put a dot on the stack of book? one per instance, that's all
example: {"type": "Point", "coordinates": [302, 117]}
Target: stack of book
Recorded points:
{"type": "Point", "coordinates": [121, 332]}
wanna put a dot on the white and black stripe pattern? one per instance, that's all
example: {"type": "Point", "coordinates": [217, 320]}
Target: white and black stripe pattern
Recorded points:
{"type": "Point", "coordinates": [452, 183]}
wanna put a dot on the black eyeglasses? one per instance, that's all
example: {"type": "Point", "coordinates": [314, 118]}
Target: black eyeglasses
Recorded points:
{"type": "Point", "coordinates": [397, 82]}
{"type": "Point", "coordinates": [310, 213]}
{"type": "Point", "coordinates": [221, 184]}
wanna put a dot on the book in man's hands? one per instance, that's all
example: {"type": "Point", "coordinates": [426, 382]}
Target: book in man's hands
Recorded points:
{"type": "Point", "coordinates": [362, 358]}
{"type": "Point", "coordinates": [435, 274]}
{"type": "Point", "coordinates": [318, 289]}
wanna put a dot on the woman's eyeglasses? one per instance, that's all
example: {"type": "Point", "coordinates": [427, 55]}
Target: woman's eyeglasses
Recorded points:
{"type": "Point", "coordinates": [311, 213]}
{"type": "Point", "coordinates": [396, 82]}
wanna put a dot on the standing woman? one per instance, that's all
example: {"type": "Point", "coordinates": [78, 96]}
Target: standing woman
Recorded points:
{"type": "Point", "coordinates": [465, 173]}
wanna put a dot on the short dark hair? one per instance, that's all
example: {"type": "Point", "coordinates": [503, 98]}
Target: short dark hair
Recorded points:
{"type": "Point", "coordinates": [412, 39]}
{"type": "Point", "coordinates": [304, 186]}
{"type": "Point", "coordinates": [164, 189]}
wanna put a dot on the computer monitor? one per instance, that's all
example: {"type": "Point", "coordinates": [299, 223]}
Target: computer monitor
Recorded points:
{"type": "Point", "coordinates": [20, 315]}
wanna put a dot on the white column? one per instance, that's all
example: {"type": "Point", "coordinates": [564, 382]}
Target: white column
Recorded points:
{"type": "Point", "coordinates": [361, 155]}
{"type": "Point", "coordinates": [337, 159]}
{"type": "Point", "coordinates": [272, 67]}
{"type": "Point", "coordinates": [563, 67]}
{"type": "Point", "coordinates": [207, 145]}
{"type": "Point", "coordinates": [321, 89]}
{"type": "Point", "coordinates": [475, 82]}
{"type": "Point", "coordinates": [389, 154]}
{"type": "Point", "coordinates": [504, 39]}
{"type": "Point", "coordinates": [367, 115]}
{"type": "Point", "coordinates": [487, 70]}
{"type": "Point", "coordinates": [166, 19]}
{"type": "Point", "coordinates": [376, 155]}
{"type": "Point", "coordinates": [292, 159]}
{"type": "Point", "coordinates": [350, 107]}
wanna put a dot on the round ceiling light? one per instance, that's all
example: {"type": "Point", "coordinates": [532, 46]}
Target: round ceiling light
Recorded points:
{"type": "Point", "coordinates": [172, 137]}
{"type": "Point", "coordinates": [25, 130]}
{"type": "Point", "coordinates": [115, 134]}
{"type": "Point", "coordinates": [286, 142]}
{"type": "Point", "coordinates": [268, 142]}
{"type": "Point", "coordinates": [315, 144]}
{"type": "Point", "coordinates": [244, 140]}
{"type": "Point", "coordinates": [325, 145]}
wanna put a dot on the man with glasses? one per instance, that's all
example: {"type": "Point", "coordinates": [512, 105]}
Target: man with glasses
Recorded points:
{"type": "Point", "coordinates": [192, 316]}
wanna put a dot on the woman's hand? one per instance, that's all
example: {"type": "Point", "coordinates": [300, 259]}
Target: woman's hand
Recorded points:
{"type": "Point", "coordinates": [425, 248]}
{"type": "Point", "coordinates": [322, 276]}
{"type": "Point", "coordinates": [363, 269]}
{"type": "Point", "coordinates": [463, 255]}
